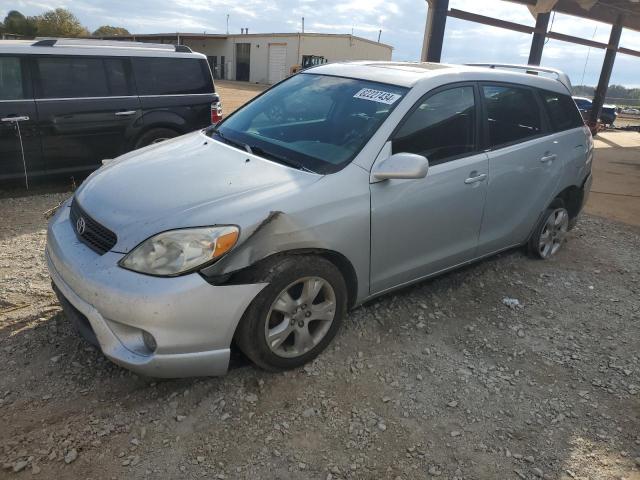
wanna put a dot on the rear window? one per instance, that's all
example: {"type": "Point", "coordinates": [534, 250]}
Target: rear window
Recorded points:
{"type": "Point", "coordinates": [10, 79]}
{"type": "Point", "coordinates": [172, 76]}
{"type": "Point", "coordinates": [512, 113]}
{"type": "Point", "coordinates": [562, 111]}
{"type": "Point", "coordinates": [71, 77]}
{"type": "Point", "coordinates": [78, 77]}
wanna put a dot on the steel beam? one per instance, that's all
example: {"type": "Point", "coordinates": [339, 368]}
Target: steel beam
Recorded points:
{"type": "Point", "coordinates": [605, 73]}
{"type": "Point", "coordinates": [434, 30]}
{"type": "Point", "coordinates": [539, 36]}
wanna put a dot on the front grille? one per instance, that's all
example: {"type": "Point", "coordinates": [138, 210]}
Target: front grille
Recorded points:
{"type": "Point", "coordinates": [98, 238]}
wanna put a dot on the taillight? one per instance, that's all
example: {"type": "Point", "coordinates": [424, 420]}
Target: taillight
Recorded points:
{"type": "Point", "coordinates": [216, 112]}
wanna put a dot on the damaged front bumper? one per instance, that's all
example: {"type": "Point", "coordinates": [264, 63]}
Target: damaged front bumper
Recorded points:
{"type": "Point", "coordinates": [160, 327]}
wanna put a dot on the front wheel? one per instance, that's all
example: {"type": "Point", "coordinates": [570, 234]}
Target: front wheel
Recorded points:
{"type": "Point", "coordinates": [550, 234]}
{"type": "Point", "coordinates": [155, 135]}
{"type": "Point", "coordinates": [296, 316]}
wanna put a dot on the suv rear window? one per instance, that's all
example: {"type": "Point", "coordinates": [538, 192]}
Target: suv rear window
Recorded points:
{"type": "Point", "coordinates": [172, 76]}
{"type": "Point", "coordinates": [77, 77]}
{"type": "Point", "coordinates": [71, 77]}
{"type": "Point", "coordinates": [512, 112]}
{"type": "Point", "coordinates": [10, 79]}
{"type": "Point", "coordinates": [562, 111]}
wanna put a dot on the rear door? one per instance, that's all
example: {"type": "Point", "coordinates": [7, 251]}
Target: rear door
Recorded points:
{"type": "Point", "coordinates": [524, 165]}
{"type": "Point", "coordinates": [87, 110]}
{"type": "Point", "coordinates": [175, 93]}
{"type": "Point", "coordinates": [19, 140]}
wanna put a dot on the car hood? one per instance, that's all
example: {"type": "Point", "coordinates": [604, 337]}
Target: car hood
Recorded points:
{"type": "Point", "coordinates": [189, 181]}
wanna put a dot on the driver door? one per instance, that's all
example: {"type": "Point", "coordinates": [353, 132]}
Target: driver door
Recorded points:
{"type": "Point", "coordinates": [422, 226]}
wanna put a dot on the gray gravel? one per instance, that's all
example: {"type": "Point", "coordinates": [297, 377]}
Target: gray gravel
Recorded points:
{"type": "Point", "coordinates": [511, 368]}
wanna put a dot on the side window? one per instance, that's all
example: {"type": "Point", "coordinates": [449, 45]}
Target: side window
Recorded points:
{"type": "Point", "coordinates": [562, 111]}
{"type": "Point", "coordinates": [118, 80]}
{"type": "Point", "coordinates": [171, 76]}
{"type": "Point", "coordinates": [443, 126]}
{"type": "Point", "coordinates": [11, 86]}
{"type": "Point", "coordinates": [71, 77]}
{"type": "Point", "coordinates": [512, 113]}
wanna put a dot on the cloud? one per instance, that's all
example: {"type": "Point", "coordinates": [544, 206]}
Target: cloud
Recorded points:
{"type": "Point", "coordinates": [402, 23]}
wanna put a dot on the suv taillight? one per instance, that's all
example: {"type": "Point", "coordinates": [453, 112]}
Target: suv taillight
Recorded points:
{"type": "Point", "coordinates": [216, 112]}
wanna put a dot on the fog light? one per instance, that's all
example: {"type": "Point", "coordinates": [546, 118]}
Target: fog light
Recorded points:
{"type": "Point", "coordinates": [149, 341]}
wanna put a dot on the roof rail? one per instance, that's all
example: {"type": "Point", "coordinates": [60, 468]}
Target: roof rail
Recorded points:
{"type": "Point", "coordinates": [560, 76]}
{"type": "Point", "coordinates": [89, 42]}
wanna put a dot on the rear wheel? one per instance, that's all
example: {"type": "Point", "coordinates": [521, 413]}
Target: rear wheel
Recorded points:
{"type": "Point", "coordinates": [296, 316]}
{"type": "Point", "coordinates": [551, 233]}
{"type": "Point", "coordinates": [155, 135]}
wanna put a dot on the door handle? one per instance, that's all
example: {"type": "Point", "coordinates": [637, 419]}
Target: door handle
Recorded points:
{"type": "Point", "coordinates": [476, 179]}
{"type": "Point", "coordinates": [126, 113]}
{"type": "Point", "coordinates": [23, 118]}
{"type": "Point", "coordinates": [549, 158]}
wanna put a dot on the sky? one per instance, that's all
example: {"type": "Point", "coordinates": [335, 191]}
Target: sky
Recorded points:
{"type": "Point", "coordinates": [401, 21]}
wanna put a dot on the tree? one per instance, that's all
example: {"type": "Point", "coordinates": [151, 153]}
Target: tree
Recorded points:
{"type": "Point", "coordinates": [60, 23]}
{"type": "Point", "coordinates": [109, 31]}
{"type": "Point", "coordinates": [18, 24]}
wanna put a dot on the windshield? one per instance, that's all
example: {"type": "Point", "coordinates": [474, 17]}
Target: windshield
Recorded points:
{"type": "Point", "coordinates": [312, 122]}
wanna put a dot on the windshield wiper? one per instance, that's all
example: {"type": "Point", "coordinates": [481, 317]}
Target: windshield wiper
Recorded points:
{"type": "Point", "coordinates": [256, 150]}
{"type": "Point", "coordinates": [278, 158]}
{"type": "Point", "coordinates": [228, 141]}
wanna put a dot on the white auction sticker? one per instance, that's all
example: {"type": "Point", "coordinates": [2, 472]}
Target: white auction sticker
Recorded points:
{"type": "Point", "coordinates": [377, 96]}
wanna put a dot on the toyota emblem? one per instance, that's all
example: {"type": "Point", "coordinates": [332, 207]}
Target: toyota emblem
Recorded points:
{"type": "Point", "coordinates": [81, 225]}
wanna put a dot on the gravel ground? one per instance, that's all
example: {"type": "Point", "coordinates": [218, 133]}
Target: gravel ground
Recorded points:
{"type": "Point", "coordinates": [511, 368]}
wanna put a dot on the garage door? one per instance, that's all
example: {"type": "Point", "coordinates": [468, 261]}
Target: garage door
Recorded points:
{"type": "Point", "coordinates": [277, 62]}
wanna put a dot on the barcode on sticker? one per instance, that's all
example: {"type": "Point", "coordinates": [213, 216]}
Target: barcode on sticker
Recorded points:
{"type": "Point", "coordinates": [377, 96]}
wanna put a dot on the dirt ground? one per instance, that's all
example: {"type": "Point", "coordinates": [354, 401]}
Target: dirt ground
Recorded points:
{"type": "Point", "coordinates": [448, 379]}
{"type": "Point", "coordinates": [236, 94]}
{"type": "Point", "coordinates": [615, 192]}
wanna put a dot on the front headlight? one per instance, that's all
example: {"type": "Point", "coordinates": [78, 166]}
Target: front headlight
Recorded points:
{"type": "Point", "coordinates": [179, 251]}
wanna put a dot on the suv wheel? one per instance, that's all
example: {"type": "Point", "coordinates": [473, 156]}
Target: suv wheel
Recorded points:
{"type": "Point", "coordinates": [155, 135]}
{"type": "Point", "coordinates": [550, 234]}
{"type": "Point", "coordinates": [296, 316]}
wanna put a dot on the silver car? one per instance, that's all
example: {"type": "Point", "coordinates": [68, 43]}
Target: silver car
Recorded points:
{"type": "Point", "coordinates": [337, 185]}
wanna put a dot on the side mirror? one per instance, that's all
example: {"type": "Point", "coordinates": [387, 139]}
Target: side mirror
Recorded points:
{"type": "Point", "coordinates": [402, 166]}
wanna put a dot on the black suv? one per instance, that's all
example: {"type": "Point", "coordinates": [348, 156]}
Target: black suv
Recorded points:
{"type": "Point", "coordinates": [65, 105]}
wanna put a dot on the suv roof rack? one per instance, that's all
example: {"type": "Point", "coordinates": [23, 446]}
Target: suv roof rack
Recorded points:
{"type": "Point", "coordinates": [82, 42]}
{"type": "Point", "coordinates": [560, 76]}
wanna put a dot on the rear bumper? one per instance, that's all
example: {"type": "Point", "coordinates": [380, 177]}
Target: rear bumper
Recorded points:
{"type": "Point", "coordinates": [191, 322]}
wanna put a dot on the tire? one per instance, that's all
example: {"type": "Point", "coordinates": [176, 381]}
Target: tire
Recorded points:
{"type": "Point", "coordinates": [297, 336]}
{"type": "Point", "coordinates": [551, 231]}
{"type": "Point", "coordinates": [155, 135]}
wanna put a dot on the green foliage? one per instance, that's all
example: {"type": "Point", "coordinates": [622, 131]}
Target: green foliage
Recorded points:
{"type": "Point", "coordinates": [60, 23]}
{"type": "Point", "coordinates": [18, 24]}
{"type": "Point", "coordinates": [617, 92]}
{"type": "Point", "coordinates": [108, 31]}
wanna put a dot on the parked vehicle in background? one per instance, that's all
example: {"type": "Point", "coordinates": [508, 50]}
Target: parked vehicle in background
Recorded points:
{"type": "Point", "coordinates": [630, 111]}
{"type": "Point", "coordinates": [267, 228]}
{"type": "Point", "coordinates": [69, 104]}
{"type": "Point", "coordinates": [608, 114]}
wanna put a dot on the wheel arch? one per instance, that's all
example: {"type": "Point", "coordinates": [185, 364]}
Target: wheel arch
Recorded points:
{"type": "Point", "coordinates": [341, 262]}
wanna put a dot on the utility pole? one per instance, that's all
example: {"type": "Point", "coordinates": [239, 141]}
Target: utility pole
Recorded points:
{"type": "Point", "coordinates": [227, 24]}
{"type": "Point", "coordinates": [302, 24]}
{"type": "Point", "coordinates": [379, 33]}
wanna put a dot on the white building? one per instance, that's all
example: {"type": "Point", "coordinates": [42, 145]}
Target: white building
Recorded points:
{"type": "Point", "coordinates": [268, 57]}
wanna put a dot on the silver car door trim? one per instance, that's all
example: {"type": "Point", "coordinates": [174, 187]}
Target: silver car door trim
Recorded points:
{"type": "Point", "coordinates": [128, 113]}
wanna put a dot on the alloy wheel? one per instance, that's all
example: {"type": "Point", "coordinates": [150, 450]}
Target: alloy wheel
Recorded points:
{"type": "Point", "coordinates": [300, 317]}
{"type": "Point", "coordinates": [553, 232]}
